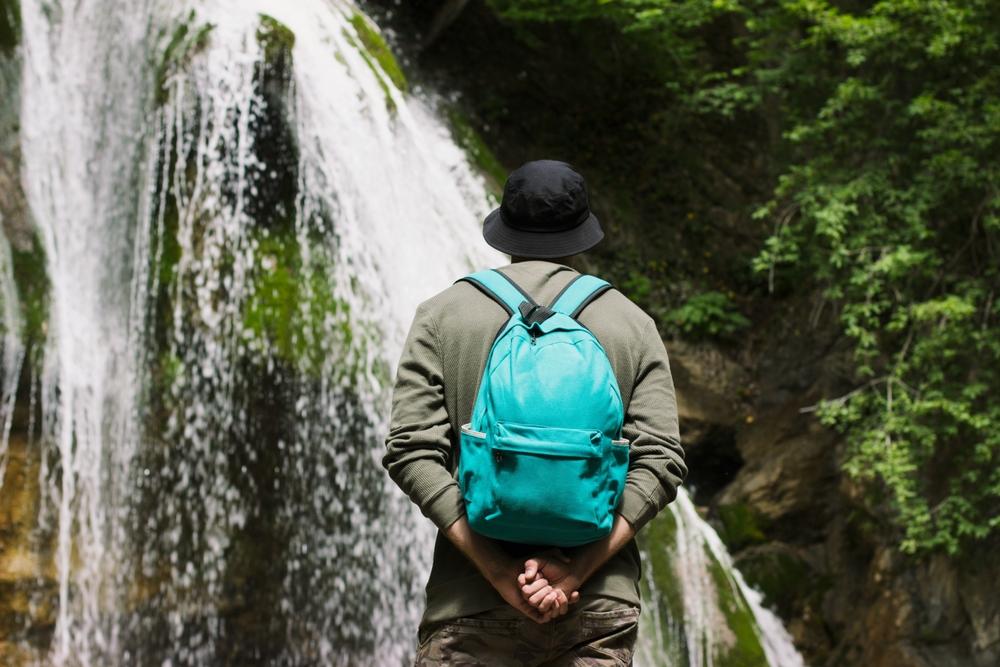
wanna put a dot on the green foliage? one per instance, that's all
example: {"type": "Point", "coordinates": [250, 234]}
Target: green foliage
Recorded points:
{"type": "Point", "coordinates": [891, 201]}
{"type": "Point", "coordinates": [708, 314]}
{"type": "Point", "coordinates": [10, 25]}
{"type": "Point", "coordinates": [677, 50]}
{"type": "Point", "coordinates": [880, 127]}
{"type": "Point", "coordinates": [637, 286]}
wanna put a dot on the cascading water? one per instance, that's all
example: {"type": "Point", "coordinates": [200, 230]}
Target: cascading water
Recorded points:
{"type": "Point", "coordinates": [240, 209]}
{"type": "Point", "coordinates": [699, 610]}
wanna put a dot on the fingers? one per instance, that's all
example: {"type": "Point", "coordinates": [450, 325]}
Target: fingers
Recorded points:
{"type": "Point", "coordinates": [530, 568]}
{"type": "Point", "coordinates": [536, 598]}
{"type": "Point", "coordinates": [550, 601]}
{"type": "Point", "coordinates": [529, 590]}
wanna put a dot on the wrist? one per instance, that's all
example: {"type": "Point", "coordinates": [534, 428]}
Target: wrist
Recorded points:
{"type": "Point", "coordinates": [488, 559]}
{"type": "Point", "coordinates": [586, 565]}
{"type": "Point", "coordinates": [495, 566]}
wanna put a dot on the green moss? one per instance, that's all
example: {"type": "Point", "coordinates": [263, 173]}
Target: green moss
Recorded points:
{"type": "Point", "coordinates": [747, 650]}
{"type": "Point", "coordinates": [186, 40]}
{"type": "Point", "coordinates": [375, 45]}
{"type": "Point", "coordinates": [390, 103]}
{"type": "Point", "coordinates": [31, 278]}
{"type": "Point", "coordinates": [291, 304]}
{"type": "Point", "coordinates": [658, 541]}
{"type": "Point", "coordinates": [276, 38]}
{"type": "Point", "coordinates": [741, 526]}
{"type": "Point", "coordinates": [170, 251]}
{"type": "Point", "coordinates": [788, 583]}
{"type": "Point", "coordinates": [468, 138]}
{"type": "Point", "coordinates": [10, 25]}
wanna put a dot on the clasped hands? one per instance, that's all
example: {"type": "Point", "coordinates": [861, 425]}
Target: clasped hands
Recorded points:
{"type": "Point", "coordinates": [549, 581]}
{"type": "Point", "coordinates": [545, 588]}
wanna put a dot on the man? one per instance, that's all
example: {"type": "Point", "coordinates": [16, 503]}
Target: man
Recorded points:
{"type": "Point", "coordinates": [500, 603]}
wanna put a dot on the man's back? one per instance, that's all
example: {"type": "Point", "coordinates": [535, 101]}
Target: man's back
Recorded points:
{"type": "Point", "coordinates": [438, 376]}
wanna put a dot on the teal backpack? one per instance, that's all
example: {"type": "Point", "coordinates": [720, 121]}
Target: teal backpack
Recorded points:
{"type": "Point", "coordinates": [543, 460]}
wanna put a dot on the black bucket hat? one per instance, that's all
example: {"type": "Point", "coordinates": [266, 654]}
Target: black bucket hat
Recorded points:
{"type": "Point", "coordinates": [544, 212]}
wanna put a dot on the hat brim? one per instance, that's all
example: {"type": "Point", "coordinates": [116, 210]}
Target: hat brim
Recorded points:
{"type": "Point", "coordinates": [541, 245]}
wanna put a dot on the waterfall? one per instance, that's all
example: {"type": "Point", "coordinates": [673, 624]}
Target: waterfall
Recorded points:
{"type": "Point", "coordinates": [699, 611]}
{"type": "Point", "coordinates": [240, 207]}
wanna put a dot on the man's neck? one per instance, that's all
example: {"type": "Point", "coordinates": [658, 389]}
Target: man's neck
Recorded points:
{"type": "Point", "coordinates": [565, 261]}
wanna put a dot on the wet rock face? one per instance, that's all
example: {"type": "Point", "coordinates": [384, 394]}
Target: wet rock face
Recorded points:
{"type": "Point", "coordinates": [708, 386]}
{"type": "Point", "coordinates": [800, 531]}
{"type": "Point", "coordinates": [13, 208]}
{"type": "Point", "coordinates": [28, 594]}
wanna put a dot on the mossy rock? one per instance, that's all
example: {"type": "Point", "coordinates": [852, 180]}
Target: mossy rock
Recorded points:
{"type": "Point", "coordinates": [466, 136]}
{"type": "Point", "coordinates": [291, 304]}
{"type": "Point", "coordinates": [277, 39]}
{"type": "Point", "coordinates": [10, 26]}
{"type": "Point", "coordinates": [186, 40]}
{"type": "Point", "coordinates": [272, 190]}
{"type": "Point", "coordinates": [390, 103]}
{"type": "Point", "coordinates": [788, 582]}
{"type": "Point", "coordinates": [747, 650]}
{"type": "Point", "coordinates": [32, 281]}
{"type": "Point", "coordinates": [376, 46]}
{"type": "Point", "coordinates": [740, 526]}
{"type": "Point", "coordinates": [658, 540]}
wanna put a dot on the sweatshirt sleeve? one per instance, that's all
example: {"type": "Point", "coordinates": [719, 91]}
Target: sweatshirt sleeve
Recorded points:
{"type": "Point", "coordinates": [419, 444]}
{"type": "Point", "coordinates": [656, 459]}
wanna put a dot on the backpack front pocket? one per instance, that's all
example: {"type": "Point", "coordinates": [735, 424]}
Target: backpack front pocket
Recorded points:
{"type": "Point", "coordinates": [549, 482]}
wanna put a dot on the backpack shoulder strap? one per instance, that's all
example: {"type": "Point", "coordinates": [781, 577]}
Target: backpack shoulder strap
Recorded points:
{"type": "Point", "coordinates": [500, 288]}
{"type": "Point", "coordinates": [579, 294]}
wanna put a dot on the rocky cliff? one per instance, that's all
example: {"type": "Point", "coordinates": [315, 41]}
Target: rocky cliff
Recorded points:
{"type": "Point", "coordinates": [769, 479]}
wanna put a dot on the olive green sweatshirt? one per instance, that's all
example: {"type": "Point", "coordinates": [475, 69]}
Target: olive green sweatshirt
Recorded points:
{"type": "Point", "coordinates": [436, 382]}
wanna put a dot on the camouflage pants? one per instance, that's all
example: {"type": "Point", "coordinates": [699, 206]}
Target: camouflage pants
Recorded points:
{"type": "Point", "coordinates": [598, 632]}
